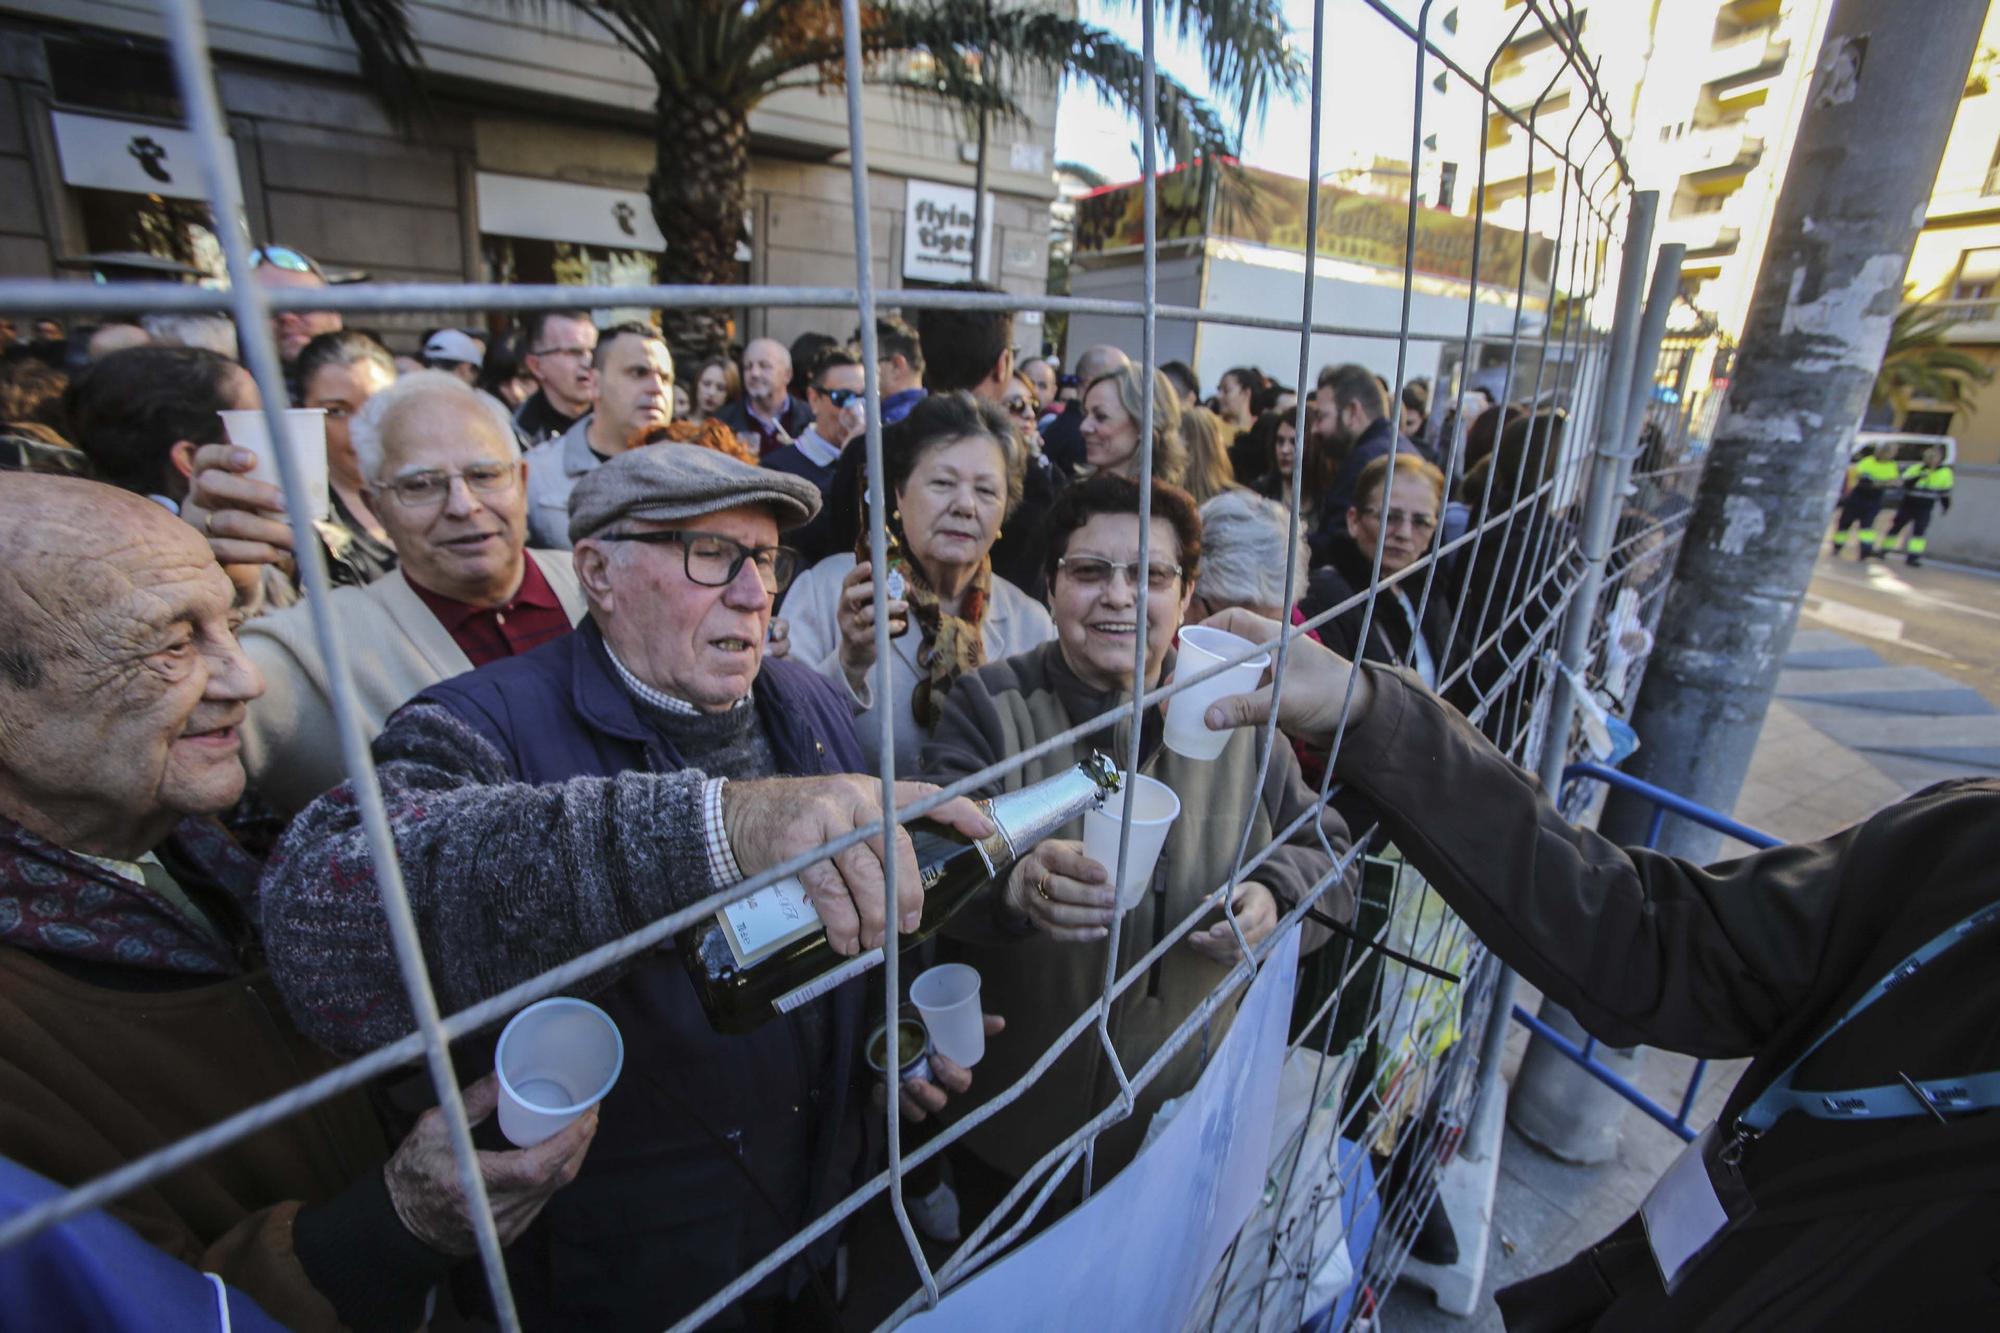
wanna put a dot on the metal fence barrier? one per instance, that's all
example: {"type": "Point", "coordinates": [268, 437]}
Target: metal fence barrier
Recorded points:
{"type": "Point", "coordinates": [1579, 545]}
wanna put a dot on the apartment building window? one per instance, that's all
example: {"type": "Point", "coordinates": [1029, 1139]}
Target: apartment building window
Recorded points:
{"type": "Point", "coordinates": [1978, 275]}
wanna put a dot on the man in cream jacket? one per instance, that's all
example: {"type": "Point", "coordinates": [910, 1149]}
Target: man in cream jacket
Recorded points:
{"type": "Point", "coordinates": [448, 485]}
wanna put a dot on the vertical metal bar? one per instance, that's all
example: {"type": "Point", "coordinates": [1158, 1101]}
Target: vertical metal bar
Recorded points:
{"type": "Point", "coordinates": [196, 77]}
{"type": "Point", "coordinates": [1149, 297]}
{"type": "Point", "coordinates": [1601, 505]}
{"type": "Point", "coordinates": [1287, 633]}
{"type": "Point", "coordinates": [878, 558]}
{"type": "Point", "coordinates": [1659, 822]}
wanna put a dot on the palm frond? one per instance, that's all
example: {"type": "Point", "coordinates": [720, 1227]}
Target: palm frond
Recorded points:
{"type": "Point", "coordinates": [387, 45]}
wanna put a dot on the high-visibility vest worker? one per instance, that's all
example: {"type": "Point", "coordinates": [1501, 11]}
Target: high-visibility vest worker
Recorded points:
{"type": "Point", "coordinates": [1868, 481]}
{"type": "Point", "coordinates": [1926, 489]}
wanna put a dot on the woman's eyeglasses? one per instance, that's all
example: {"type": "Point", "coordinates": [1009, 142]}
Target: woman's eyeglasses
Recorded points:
{"type": "Point", "coordinates": [1400, 518]}
{"type": "Point", "coordinates": [1091, 571]}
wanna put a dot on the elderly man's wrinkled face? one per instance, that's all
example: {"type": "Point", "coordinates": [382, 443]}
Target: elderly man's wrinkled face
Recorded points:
{"type": "Point", "coordinates": [123, 685]}
{"type": "Point", "coordinates": [699, 643]}
{"type": "Point", "coordinates": [453, 498]}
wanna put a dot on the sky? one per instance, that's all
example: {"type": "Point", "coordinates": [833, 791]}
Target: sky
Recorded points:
{"type": "Point", "coordinates": [1365, 103]}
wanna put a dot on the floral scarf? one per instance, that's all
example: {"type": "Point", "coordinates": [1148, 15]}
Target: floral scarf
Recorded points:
{"type": "Point", "coordinates": [53, 901]}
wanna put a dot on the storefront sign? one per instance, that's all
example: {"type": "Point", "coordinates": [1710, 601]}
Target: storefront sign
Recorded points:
{"type": "Point", "coordinates": [937, 231]}
{"type": "Point", "coordinates": [129, 156]}
{"type": "Point", "coordinates": [546, 210]}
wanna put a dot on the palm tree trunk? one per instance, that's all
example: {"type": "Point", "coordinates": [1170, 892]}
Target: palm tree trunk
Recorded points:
{"type": "Point", "coordinates": [700, 168]}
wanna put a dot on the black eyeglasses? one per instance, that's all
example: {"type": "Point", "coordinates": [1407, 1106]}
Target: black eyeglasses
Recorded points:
{"type": "Point", "coordinates": [714, 561]}
{"type": "Point", "coordinates": [284, 257]}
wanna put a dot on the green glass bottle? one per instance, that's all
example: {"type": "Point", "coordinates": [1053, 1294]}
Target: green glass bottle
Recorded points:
{"type": "Point", "coordinates": [767, 954]}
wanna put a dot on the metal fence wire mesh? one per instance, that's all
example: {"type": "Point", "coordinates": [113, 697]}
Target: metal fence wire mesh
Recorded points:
{"type": "Point", "coordinates": [1569, 533]}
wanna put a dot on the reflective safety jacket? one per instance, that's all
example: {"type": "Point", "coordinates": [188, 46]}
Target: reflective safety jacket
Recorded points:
{"type": "Point", "coordinates": [1873, 471]}
{"type": "Point", "coordinates": [1927, 484]}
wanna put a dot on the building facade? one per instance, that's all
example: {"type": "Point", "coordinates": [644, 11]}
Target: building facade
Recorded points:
{"type": "Point", "coordinates": [531, 166]}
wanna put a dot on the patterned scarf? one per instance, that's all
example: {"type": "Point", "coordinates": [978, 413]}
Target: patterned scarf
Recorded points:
{"type": "Point", "coordinates": [948, 645]}
{"type": "Point", "coordinates": [53, 901]}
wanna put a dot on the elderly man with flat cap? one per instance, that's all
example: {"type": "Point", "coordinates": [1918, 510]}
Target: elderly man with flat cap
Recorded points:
{"type": "Point", "coordinates": [554, 801]}
{"type": "Point", "coordinates": [134, 1004]}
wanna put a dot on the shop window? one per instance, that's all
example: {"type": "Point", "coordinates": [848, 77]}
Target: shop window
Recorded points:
{"type": "Point", "coordinates": [521, 259]}
{"type": "Point", "coordinates": [178, 229]}
{"type": "Point", "coordinates": [1978, 275]}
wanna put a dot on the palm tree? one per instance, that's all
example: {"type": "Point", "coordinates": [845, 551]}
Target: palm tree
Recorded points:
{"type": "Point", "coordinates": [716, 60]}
{"type": "Point", "coordinates": [1920, 364]}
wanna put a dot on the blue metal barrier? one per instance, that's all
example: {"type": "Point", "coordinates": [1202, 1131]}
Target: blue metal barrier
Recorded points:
{"type": "Point", "coordinates": [1664, 803]}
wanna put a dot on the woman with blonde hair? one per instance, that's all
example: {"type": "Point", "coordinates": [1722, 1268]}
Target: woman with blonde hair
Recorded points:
{"type": "Point", "coordinates": [1113, 406]}
{"type": "Point", "coordinates": [1208, 471]}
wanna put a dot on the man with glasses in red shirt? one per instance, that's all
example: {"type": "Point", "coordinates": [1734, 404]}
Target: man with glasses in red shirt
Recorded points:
{"type": "Point", "coordinates": [560, 345]}
{"type": "Point", "coordinates": [443, 476]}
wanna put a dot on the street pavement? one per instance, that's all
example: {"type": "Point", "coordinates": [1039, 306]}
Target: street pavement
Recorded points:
{"type": "Point", "coordinates": [1891, 683]}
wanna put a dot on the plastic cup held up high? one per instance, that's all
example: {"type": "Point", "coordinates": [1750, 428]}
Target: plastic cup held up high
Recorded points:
{"type": "Point", "coordinates": [305, 433]}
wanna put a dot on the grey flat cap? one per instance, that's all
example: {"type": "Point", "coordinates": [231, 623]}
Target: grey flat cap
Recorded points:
{"type": "Point", "coordinates": [668, 482]}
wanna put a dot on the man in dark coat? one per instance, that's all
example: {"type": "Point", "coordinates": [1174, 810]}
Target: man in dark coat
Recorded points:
{"type": "Point", "coordinates": [1855, 1160]}
{"type": "Point", "coordinates": [135, 1008]}
{"type": "Point", "coordinates": [1356, 411]}
{"type": "Point", "coordinates": [562, 799]}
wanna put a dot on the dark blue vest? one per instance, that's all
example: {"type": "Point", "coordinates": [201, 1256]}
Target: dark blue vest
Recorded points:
{"type": "Point", "coordinates": [661, 1215]}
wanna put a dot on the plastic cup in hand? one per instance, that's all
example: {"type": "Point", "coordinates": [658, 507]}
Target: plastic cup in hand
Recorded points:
{"type": "Point", "coordinates": [305, 432]}
{"type": "Point", "coordinates": [948, 998]}
{"type": "Point", "coordinates": [1202, 647]}
{"type": "Point", "coordinates": [1154, 810]}
{"type": "Point", "coordinates": [556, 1059]}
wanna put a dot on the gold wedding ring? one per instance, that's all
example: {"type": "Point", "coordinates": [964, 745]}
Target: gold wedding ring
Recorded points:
{"type": "Point", "coordinates": [1042, 886]}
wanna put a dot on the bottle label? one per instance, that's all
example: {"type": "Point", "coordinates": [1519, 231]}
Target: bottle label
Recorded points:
{"type": "Point", "coordinates": [768, 920]}
{"type": "Point", "coordinates": [826, 981]}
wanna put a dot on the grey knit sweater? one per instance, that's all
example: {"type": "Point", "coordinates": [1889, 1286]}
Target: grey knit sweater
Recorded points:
{"type": "Point", "coordinates": [507, 879]}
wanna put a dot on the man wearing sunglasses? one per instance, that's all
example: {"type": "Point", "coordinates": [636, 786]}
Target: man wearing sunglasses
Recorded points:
{"type": "Point", "coordinates": [835, 396]}
{"type": "Point", "coordinates": [551, 803]}
{"type": "Point", "coordinates": [279, 268]}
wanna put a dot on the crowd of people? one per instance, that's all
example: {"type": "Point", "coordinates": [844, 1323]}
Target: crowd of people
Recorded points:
{"type": "Point", "coordinates": [611, 631]}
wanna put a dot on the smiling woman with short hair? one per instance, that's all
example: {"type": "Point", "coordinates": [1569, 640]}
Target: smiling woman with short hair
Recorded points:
{"type": "Point", "coordinates": [1040, 949]}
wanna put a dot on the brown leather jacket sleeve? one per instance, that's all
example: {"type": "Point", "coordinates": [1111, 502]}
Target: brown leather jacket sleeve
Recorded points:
{"type": "Point", "coordinates": [1639, 946]}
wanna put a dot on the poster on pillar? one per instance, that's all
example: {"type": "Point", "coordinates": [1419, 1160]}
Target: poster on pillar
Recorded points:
{"type": "Point", "coordinates": [937, 232]}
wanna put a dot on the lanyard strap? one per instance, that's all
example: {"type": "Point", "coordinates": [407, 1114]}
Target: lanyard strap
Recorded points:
{"type": "Point", "coordinates": [1889, 1100]}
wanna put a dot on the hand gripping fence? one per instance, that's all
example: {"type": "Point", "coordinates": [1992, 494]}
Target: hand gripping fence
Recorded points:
{"type": "Point", "coordinates": [1578, 572]}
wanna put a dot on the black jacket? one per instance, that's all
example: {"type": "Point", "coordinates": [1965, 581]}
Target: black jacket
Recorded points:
{"type": "Point", "coordinates": [797, 415]}
{"type": "Point", "coordinates": [1375, 442]}
{"type": "Point", "coordinates": [539, 420]}
{"type": "Point", "coordinates": [1389, 628]}
{"type": "Point", "coordinates": [665, 1211]}
{"type": "Point", "coordinates": [1858, 1224]}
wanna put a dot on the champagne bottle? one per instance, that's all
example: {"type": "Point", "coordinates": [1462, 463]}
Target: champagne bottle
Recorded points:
{"type": "Point", "coordinates": [767, 954]}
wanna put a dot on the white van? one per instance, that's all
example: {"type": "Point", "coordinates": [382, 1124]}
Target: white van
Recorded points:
{"type": "Point", "coordinates": [1902, 449]}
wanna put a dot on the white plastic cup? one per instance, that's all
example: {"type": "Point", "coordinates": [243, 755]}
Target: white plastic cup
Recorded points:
{"type": "Point", "coordinates": [1202, 647]}
{"type": "Point", "coordinates": [305, 433]}
{"type": "Point", "coordinates": [947, 997]}
{"type": "Point", "coordinates": [556, 1059]}
{"type": "Point", "coordinates": [1155, 807]}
